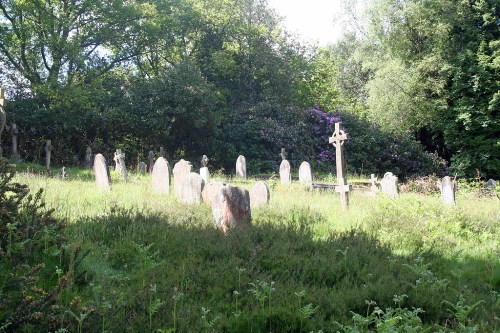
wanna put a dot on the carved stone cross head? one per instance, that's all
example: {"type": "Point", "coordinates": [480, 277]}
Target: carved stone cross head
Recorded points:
{"type": "Point", "coordinates": [339, 136]}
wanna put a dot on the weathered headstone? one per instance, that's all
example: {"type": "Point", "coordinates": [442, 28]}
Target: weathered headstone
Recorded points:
{"type": "Point", "coordinates": [447, 186]}
{"type": "Point", "coordinates": [192, 186]}
{"type": "Point", "coordinates": [48, 150]}
{"type": "Point", "coordinates": [210, 189]}
{"type": "Point", "coordinates": [305, 174]}
{"type": "Point", "coordinates": [181, 170]}
{"type": "Point", "coordinates": [231, 207]}
{"type": "Point", "coordinates": [389, 185]}
{"type": "Point", "coordinates": [162, 152]}
{"type": "Point", "coordinates": [63, 173]}
{"type": "Point", "coordinates": [151, 157]}
{"type": "Point", "coordinates": [3, 118]}
{"type": "Point", "coordinates": [160, 176]}
{"type": "Point", "coordinates": [101, 172]}
{"type": "Point", "coordinates": [15, 157]}
{"type": "Point", "coordinates": [241, 167]}
{"type": "Point", "coordinates": [204, 173]}
{"type": "Point", "coordinates": [88, 157]}
{"type": "Point", "coordinates": [338, 138]}
{"type": "Point", "coordinates": [373, 187]}
{"type": "Point", "coordinates": [285, 173]}
{"type": "Point", "coordinates": [259, 195]}
{"type": "Point", "coordinates": [120, 163]}
{"type": "Point", "coordinates": [491, 184]}
{"type": "Point", "coordinates": [142, 167]}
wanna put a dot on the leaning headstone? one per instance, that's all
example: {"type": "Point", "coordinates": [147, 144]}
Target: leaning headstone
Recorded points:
{"type": "Point", "coordinates": [241, 167]}
{"type": "Point", "coordinates": [3, 118]}
{"type": "Point", "coordinates": [181, 170]}
{"type": "Point", "coordinates": [305, 174]}
{"type": "Point", "coordinates": [259, 195]}
{"type": "Point", "coordinates": [389, 185]}
{"type": "Point", "coordinates": [160, 176]}
{"type": "Point", "coordinates": [48, 150]}
{"type": "Point", "coordinates": [151, 157]}
{"type": "Point", "coordinates": [204, 173]}
{"type": "Point", "coordinates": [210, 189]}
{"type": "Point", "coordinates": [192, 186]}
{"type": "Point", "coordinates": [15, 157]}
{"type": "Point", "coordinates": [88, 157]}
{"type": "Point", "coordinates": [447, 186]}
{"type": "Point", "coordinates": [231, 207]}
{"type": "Point", "coordinates": [120, 163]}
{"type": "Point", "coordinates": [101, 172]}
{"type": "Point", "coordinates": [285, 174]}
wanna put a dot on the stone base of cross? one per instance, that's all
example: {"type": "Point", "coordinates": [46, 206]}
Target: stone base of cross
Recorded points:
{"type": "Point", "coordinates": [343, 189]}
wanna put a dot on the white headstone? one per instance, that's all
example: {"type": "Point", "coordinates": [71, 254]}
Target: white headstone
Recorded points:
{"type": "Point", "coordinates": [192, 186]}
{"type": "Point", "coordinates": [160, 176]}
{"type": "Point", "coordinates": [285, 175]}
{"type": "Point", "coordinates": [305, 174]}
{"type": "Point", "coordinates": [448, 191]}
{"type": "Point", "coordinates": [120, 163]}
{"type": "Point", "coordinates": [389, 185]}
{"type": "Point", "coordinates": [181, 170]}
{"type": "Point", "coordinates": [101, 172]}
{"type": "Point", "coordinates": [205, 174]}
{"type": "Point", "coordinates": [259, 195]}
{"type": "Point", "coordinates": [241, 167]}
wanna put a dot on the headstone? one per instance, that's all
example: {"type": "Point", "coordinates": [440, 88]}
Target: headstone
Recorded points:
{"type": "Point", "coordinates": [151, 157]}
{"type": "Point", "coordinates": [231, 207]}
{"type": "Point", "coordinates": [373, 187]}
{"type": "Point", "coordinates": [3, 118]}
{"type": "Point", "coordinates": [162, 152]}
{"type": "Point", "coordinates": [491, 184]}
{"type": "Point", "coordinates": [241, 167]}
{"type": "Point", "coordinates": [63, 173]}
{"type": "Point", "coordinates": [259, 195]}
{"type": "Point", "coordinates": [389, 185]}
{"type": "Point", "coordinates": [447, 186]}
{"type": "Point", "coordinates": [181, 170]}
{"type": "Point", "coordinates": [210, 189]}
{"type": "Point", "coordinates": [15, 157]}
{"type": "Point", "coordinates": [338, 138]}
{"type": "Point", "coordinates": [101, 172]}
{"type": "Point", "coordinates": [160, 176]}
{"type": "Point", "coordinates": [142, 167]}
{"type": "Point", "coordinates": [88, 157]}
{"type": "Point", "coordinates": [305, 174]}
{"type": "Point", "coordinates": [285, 174]}
{"type": "Point", "coordinates": [120, 163]}
{"type": "Point", "coordinates": [48, 150]}
{"type": "Point", "coordinates": [192, 186]}
{"type": "Point", "coordinates": [204, 173]}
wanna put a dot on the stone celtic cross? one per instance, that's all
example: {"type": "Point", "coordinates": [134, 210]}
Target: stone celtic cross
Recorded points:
{"type": "Point", "coordinates": [338, 138]}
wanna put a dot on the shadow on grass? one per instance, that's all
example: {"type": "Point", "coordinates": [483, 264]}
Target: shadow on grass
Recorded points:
{"type": "Point", "coordinates": [151, 273]}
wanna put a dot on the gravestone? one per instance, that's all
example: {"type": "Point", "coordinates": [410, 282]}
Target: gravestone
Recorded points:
{"type": "Point", "coordinates": [241, 167]}
{"type": "Point", "coordinates": [88, 157]}
{"type": "Point", "coordinates": [63, 173]}
{"type": "Point", "coordinates": [491, 184]}
{"type": "Point", "coordinates": [160, 176]}
{"type": "Point", "coordinates": [389, 185]}
{"type": "Point", "coordinates": [285, 174]}
{"type": "Point", "coordinates": [447, 186]}
{"type": "Point", "coordinates": [3, 118]}
{"type": "Point", "coordinates": [204, 173]}
{"type": "Point", "coordinates": [142, 167]}
{"type": "Point", "coordinates": [373, 187]}
{"type": "Point", "coordinates": [15, 157]}
{"type": "Point", "coordinates": [305, 174]}
{"type": "Point", "coordinates": [259, 195]}
{"type": "Point", "coordinates": [101, 172]}
{"type": "Point", "coordinates": [151, 157]}
{"type": "Point", "coordinates": [337, 140]}
{"type": "Point", "coordinates": [181, 170]}
{"type": "Point", "coordinates": [48, 150]}
{"type": "Point", "coordinates": [120, 163]}
{"type": "Point", "coordinates": [231, 207]}
{"type": "Point", "coordinates": [162, 152]}
{"type": "Point", "coordinates": [210, 189]}
{"type": "Point", "coordinates": [192, 186]}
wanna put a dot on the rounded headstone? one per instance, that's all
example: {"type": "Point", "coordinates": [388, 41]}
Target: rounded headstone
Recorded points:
{"type": "Point", "coordinates": [192, 186]}
{"type": "Point", "coordinates": [181, 170]}
{"type": "Point", "coordinates": [231, 207]}
{"type": "Point", "coordinates": [210, 189]}
{"type": "Point", "coordinates": [259, 195]}
{"type": "Point", "coordinates": [305, 174]}
{"type": "Point", "coordinates": [160, 176]}
{"type": "Point", "coordinates": [101, 172]}
{"type": "Point", "coordinates": [205, 174]}
{"type": "Point", "coordinates": [285, 174]}
{"type": "Point", "coordinates": [241, 167]}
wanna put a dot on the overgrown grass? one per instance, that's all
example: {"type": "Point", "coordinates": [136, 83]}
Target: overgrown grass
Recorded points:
{"type": "Point", "coordinates": [410, 264]}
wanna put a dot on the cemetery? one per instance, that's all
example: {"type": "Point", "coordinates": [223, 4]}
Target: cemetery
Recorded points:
{"type": "Point", "coordinates": [193, 167]}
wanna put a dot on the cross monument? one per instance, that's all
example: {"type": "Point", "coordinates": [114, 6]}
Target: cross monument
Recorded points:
{"type": "Point", "coordinates": [338, 138]}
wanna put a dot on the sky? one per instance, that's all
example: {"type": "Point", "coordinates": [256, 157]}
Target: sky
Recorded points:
{"type": "Point", "coordinates": [314, 20]}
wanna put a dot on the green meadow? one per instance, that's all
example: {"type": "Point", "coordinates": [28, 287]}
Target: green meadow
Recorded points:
{"type": "Point", "coordinates": [139, 262]}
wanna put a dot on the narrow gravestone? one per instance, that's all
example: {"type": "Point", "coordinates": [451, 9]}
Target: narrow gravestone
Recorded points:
{"type": "Point", "coordinates": [48, 150]}
{"type": "Point", "coordinates": [259, 195]}
{"type": "Point", "coordinates": [120, 163]}
{"type": "Point", "coordinates": [151, 157]}
{"type": "Point", "coordinates": [337, 139]}
{"type": "Point", "coordinates": [181, 170]}
{"type": "Point", "coordinates": [160, 176]}
{"type": "Point", "coordinates": [101, 172]}
{"type": "Point", "coordinates": [204, 173]}
{"type": "Point", "coordinates": [142, 167]}
{"type": "Point", "coordinates": [15, 157]}
{"type": "Point", "coordinates": [3, 118]}
{"type": "Point", "coordinates": [192, 186]}
{"type": "Point", "coordinates": [231, 207]}
{"type": "Point", "coordinates": [285, 174]}
{"type": "Point", "coordinates": [88, 157]}
{"type": "Point", "coordinates": [447, 186]}
{"type": "Point", "coordinates": [389, 185]}
{"type": "Point", "coordinates": [373, 187]}
{"type": "Point", "coordinates": [210, 189]}
{"type": "Point", "coordinates": [63, 173]}
{"type": "Point", "coordinates": [241, 167]}
{"type": "Point", "coordinates": [305, 174]}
